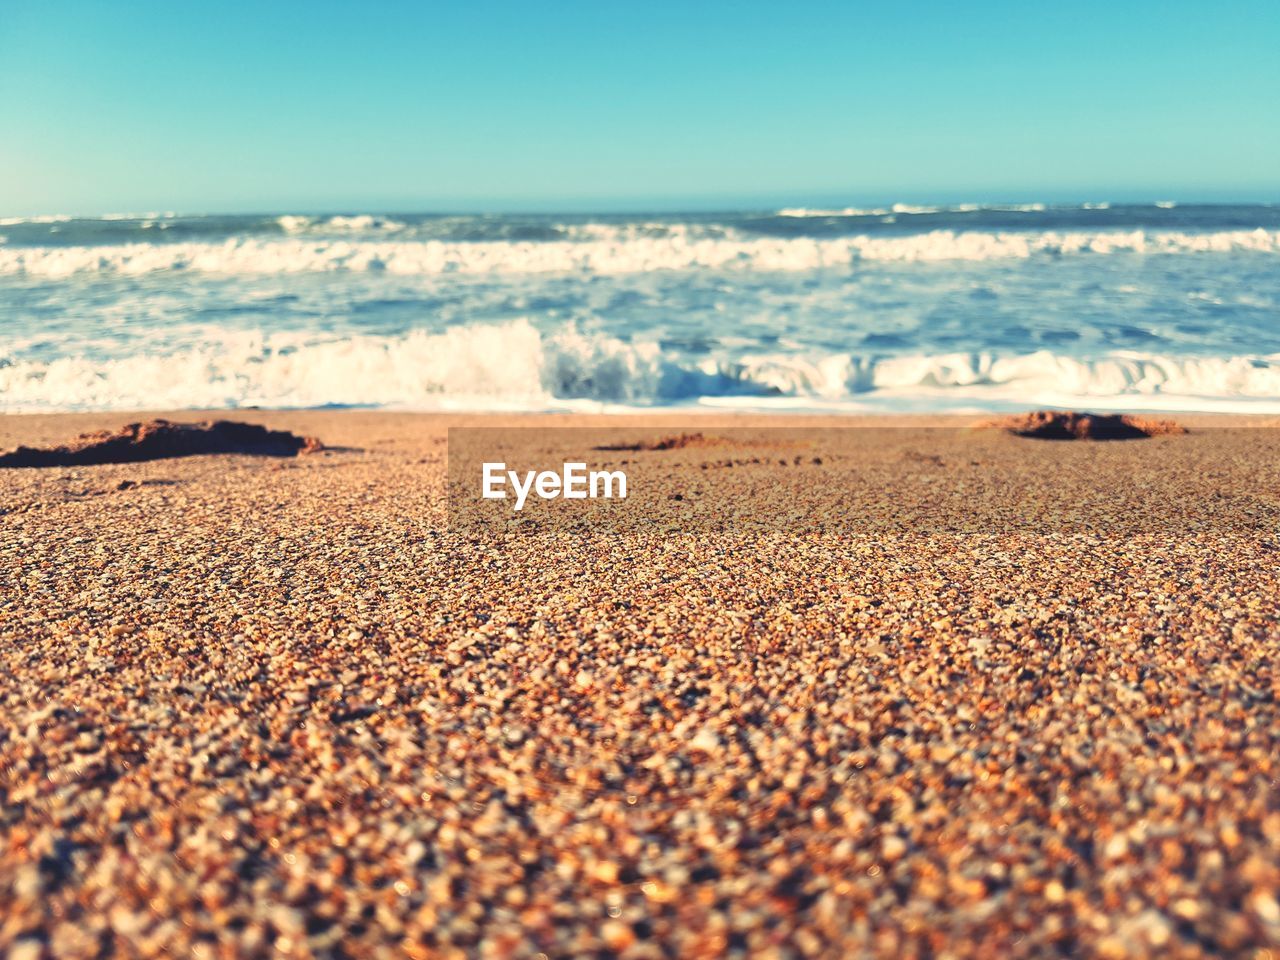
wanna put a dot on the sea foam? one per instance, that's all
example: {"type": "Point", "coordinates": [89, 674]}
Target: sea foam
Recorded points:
{"type": "Point", "coordinates": [611, 255]}
{"type": "Point", "coordinates": [514, 366]}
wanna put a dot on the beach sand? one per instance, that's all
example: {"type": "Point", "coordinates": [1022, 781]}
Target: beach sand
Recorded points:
{"type": "Point", "coordinates": [277, 707]}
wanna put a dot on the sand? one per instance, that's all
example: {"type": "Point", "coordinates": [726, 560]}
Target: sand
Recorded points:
{"type": "Point", "coordinates": [262, 707]}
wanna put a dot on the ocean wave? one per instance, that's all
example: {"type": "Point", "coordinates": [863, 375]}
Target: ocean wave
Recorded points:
{"type": "Point", "coordinates": [515, 366]}
{"type": "Point", "coordinates": [636, 253]}
{"type": "Point", "coordinates": [44, 218]}
{"type": "Point", "coordinates": [880, 211]}
{"type": "Point", "coordinates": [917, 210]}
{"type": "Point", "coordinates": [339, 224]}
{"type": "Point", "coordinates": [1043, 373]}
{"type": "Point", "coordinates": [150, 215]}
{"type": "Point", "coordinates": [803, 212]}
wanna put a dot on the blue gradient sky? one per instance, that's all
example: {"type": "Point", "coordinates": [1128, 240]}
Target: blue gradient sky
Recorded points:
{"type": "Point", "coordinates": [602, 105]}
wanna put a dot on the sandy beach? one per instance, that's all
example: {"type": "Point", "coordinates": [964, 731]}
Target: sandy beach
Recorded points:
{"type": "Point", "coordinates": [277, 707]}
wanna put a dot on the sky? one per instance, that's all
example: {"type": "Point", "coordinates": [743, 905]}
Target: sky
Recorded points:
{"type": "Point", "coordinates": [489, 106]}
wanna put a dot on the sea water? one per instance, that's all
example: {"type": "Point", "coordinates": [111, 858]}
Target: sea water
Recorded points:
{"type": "Point", "coordinates": [1154, 306]}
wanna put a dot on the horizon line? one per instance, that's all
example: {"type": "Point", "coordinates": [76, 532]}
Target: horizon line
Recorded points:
{"type": "Point", "coordinates": [869, 207]}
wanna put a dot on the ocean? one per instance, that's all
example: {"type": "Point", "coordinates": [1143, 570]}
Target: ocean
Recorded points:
{"type": "Point", "coordinates": [904, 308]}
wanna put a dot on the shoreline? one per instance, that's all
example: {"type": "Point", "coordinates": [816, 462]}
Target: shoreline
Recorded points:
{"type": "Point", "coordinates": [20, 423]}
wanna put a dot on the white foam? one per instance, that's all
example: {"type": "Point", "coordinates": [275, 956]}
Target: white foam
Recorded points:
{"type": "Point", "coordinates": [294, 223]}
{"type": "Point", "coordinates": [46, 218]}
{"type": "Point", "coordinates": [513, 366]}
{"type": "Point", "coordinates": [338, 224]}
{"type": "Point", "coordinates": [635, 253]}
{"type": "Point", "coordinates": [1119, 374]}
{"type": "Point", "coordinates": [149, 215]}
{"type": "Point", "coordinates": [802, 212]}
{"type": "Point", "coordinates": [473, 366]}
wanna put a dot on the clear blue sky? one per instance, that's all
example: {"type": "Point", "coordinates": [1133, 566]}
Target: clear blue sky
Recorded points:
{"type": "Point", "coordinates": [316, 105]}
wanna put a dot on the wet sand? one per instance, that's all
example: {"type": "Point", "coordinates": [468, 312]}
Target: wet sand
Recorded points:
{"type": "Point", "coordinates": [264, 707]}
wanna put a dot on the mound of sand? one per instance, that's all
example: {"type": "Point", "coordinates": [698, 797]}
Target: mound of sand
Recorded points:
{"type": "Point", "coordinates": [1068, 425]}
{"type": "Point", "coordinates": [161, 439]}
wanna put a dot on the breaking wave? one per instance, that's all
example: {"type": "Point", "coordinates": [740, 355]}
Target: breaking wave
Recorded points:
{"type": "Point", "coordinates": [338, 224]}
{"type": "Point", "coordinates": [610, 255]}
{"type": "Point", "coordinates": [514, 366]}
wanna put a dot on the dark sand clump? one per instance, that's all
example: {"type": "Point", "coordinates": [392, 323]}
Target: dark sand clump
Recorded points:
{"type": "Point", "coordinates": [1066, 425]}
{"type": "Point", "coordinates": [678, 441]}
{"type": "Point", "coordinates": [160, 440]}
